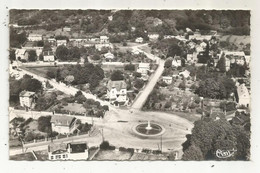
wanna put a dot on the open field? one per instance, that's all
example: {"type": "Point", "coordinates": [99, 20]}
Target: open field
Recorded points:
{"type": "Point", "coordinates": [74, 107]}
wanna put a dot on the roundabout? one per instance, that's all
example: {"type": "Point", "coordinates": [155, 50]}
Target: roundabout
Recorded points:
{"type": "Point", "coordinates": [148, 129]}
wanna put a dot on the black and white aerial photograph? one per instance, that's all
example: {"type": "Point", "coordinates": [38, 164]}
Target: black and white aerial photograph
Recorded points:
{"type": "Point", "coordinates": [129, 85]}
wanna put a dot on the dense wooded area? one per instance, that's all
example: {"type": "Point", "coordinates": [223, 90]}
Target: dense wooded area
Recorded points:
{"type": "Point", "coordinates": [165, 22]}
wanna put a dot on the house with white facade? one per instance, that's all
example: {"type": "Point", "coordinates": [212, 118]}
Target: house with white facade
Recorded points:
{"type": "Point", "coordinates": [21, 54]}
{"type": "Point", "coordinates": [109, 56]}
{"type": "Point", "coordinates": [143, 68]}
{"type": "Point", "coordinates": [27, 99]}
{"type": "Point", "coordinates": [70, 151]}
{"type": "Point", "coordinates": [67, 29]}
{"type": "Point", "coordinates": [117, 91]}
{"type": "Point", "coordinates": [176, 62]}
{"type": "Point", "coordinates": [232, 57]}
{"type": "Point", "coordinates": [139, 40]}
{"type": "Point", "coordinates": [243, 95]}
{"type": "Point", "coordinates": [192, 58]}
{"type": "Point", "coordinates": [34, 37]}
{"type": "Point", "coordinates": [61, 42]}
{"type": "Point", "coordinates": [104, 39]}
{"type": "Point", "coordinates": [99, 46]}
{"type": "Point", "coordinates": [153, 36]}
{"type": "Point", "coordinates": [48, 56]}
{"type": "Point", "coordinates": [185, 74]}
{"type": "Point", "coordinates": [167, 79]}
{"type": "Point", "coordinates": [200, 37]}
{"type": "Point", "coordinates": [63, 124]}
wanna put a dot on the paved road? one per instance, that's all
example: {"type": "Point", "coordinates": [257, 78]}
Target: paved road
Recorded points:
{"type": "Point", "coordinates": [120, 133]}
{"type": "Point", "coordinates": [142, 97]}
{"type": "Point", "coordinates": [64, 88]}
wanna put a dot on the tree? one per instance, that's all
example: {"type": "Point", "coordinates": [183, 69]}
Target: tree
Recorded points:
{"type": "Point", "coordinates": [40, 43]}
{"type": "Point", "coordinates": [32, 56]}
{"type": "Point", "coordinates": [222, 64]}
{"type": "Point", "coordinates": [136, 74]}
{"type": "Point", "coordinates": [62, 53]}
{"type": "Point", "coordinates": [104, 145]}
{"type": "Point", "coordinates": [211, 88]}
{"type": "Point", "coordinates": [74, 53]}
{"type": "Point", "coordinates": [209, 135]}
{"type": "Point", "coordinates": [79, 93]}
{"type": "Point", "coordinates": [47, 46]}
{"type": "Point", "coordinates": [193, 153]}
{"type": "Point", "coordinates": [182, 85]}
{"type": "Point", "coordinates": [105, 108]}
{"type": "Point", "coordinates": [173, 50]}
{"type": "Point", "coordinates": [41, 57]}
{"type": "Point", "coordinates": [130, 67]}
{"type": "Point", "coordinates": [30, 84]}
{"type": "Point", "coordinates": [139, 83]}
{"type": "Point", "coordinates": [50, 74]}
{"type": "Point", "coordinates": [12, 56]}
{"type": "Point", "coordinates": [168, 63]}
{"type": "Point", "coordinates": [44, 124]}
{"type": "Point", "coordinates": [16, 40]}
{"type": "Point", "coordinates": [229, 85]}
{"type": "Point", "coordinates": [117, 75]}
{"type": "Point", "coordinates": [95, 57]}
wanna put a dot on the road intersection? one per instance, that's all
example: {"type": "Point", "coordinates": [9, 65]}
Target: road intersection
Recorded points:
{"type": "Point", "coordinates": [118, 123]}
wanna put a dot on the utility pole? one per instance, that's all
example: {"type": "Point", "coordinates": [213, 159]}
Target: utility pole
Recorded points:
{"type": "Point", "coordinates": [102, 134]}
{"type": "Point", "coordinates": [161, 143]}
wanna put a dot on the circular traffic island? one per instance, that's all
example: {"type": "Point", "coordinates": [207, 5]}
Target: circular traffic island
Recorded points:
{"type": "Point", "coordinates": [148, 129]}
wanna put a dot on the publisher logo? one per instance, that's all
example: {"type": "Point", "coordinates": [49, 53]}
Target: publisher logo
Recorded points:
{"type": "Point", "coordinates": [222, 154]}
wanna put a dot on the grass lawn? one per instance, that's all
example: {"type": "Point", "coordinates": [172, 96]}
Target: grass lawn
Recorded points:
{"type": "Point", "coordinates": [74, 107]}
{"type": "Point", "coordinates": [41, 71]}
{"type": "Point", "coordinates": [92, 152]}
{"type": "Point", "coordinates": [189, 116]}
{"type": "Point", "coordinates": [14, 143]}
{"type": "Point", "coordinates": [112, 155]}
{"type": "Point", "coordinates": [33, 127]}
{"type": "Point", "coordinates": [24, 156]}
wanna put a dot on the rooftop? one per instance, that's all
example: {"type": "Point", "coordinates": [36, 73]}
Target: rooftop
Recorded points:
{"type": "Point", "coordinates": [62, 120]}
{"type": "Point", "coordinates": [77, 147]}
{"type": "Point", "coordinates": [116, 84]}
{"type": "Point", "coordinates": [242, 91]}
{"type": "Point", "coordinates": [26, 94]}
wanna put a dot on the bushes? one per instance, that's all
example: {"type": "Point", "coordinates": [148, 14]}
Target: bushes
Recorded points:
{"type": "Point", "coordinates": [105, 146]}
{"type": "Point", "coordinates": [130, 150]}
{"type": "Point", "coordinates": [129, 67]}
